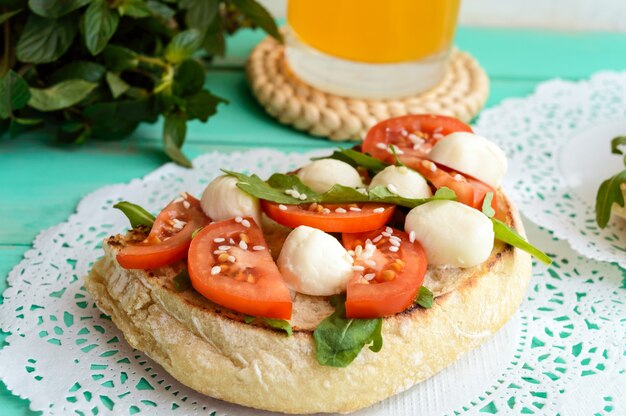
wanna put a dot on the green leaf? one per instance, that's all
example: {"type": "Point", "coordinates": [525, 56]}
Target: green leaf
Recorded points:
{"type": "Point", "coordinates": [160, 10]}
{"type": "Point", "coordinates": [271, 322]}
{"type": "Point", "coordinates": [195, 232]}
{"type": "Point", "coordinates": [55, 8]}
{"type": "Point", "coordinates": [14, 93]}
{"type": "Point", "coordinates": [355, 159]}
{"type": "Point", "coordinates": [510, 236]}
{"type": "Point", "coordinates": [258, 15]}
{"type": "Point", "coordinates": [181, 281]}
{"type": "Point", "coordinates": [100, 23]}
{"type": "Point", "coordinates": [616, 143]}
{"type": "Point", "coordinates": [257, 187]}
{"type": "Point", "coordinates": [283, 182]}
{"type": "Point", "coordinates": [183, 45]}
{"type": "Point", "coordinates": [62, 95]}
{"type": "Point", "coordinates": [135, 214]}
{"type": "Point", "coordinates": [188, 78]}
{"type": "Point", "coordinates": [214, 42]}
{"type": "Point", "coordinates": [45, 40]}
{"type": "Point", "coordinates": [487, 208]}
{"type": "Point", "coordinates": [6, 16]}
{"type": "Point", "coordinates": [339, 194]}
{"type": "Point", "coordinates": [86, 70]}
{"type": "Point", "coordinates": [119, 58]}
{"type": "Point", "coordinates": [249, 319]}
{"type": "Point", "coordinates": [126, 113]}
{"type": "Point", "coordinates": [199, 13]}
{"type": "Point", "coordinates": [383, 195]}
{"type": "Point", "coordinates": [174, 131]}
{"type": "Point", "coordinates": [610, 193]}
{"type": "Point", "coordinates": [425, 297]}
{"type": "Point", "coordinates": [202, 105]}
{"type": "Point", "coordinates": [338, 340]}
{"type": "Point", "coordinates": [116, 84]}
{"type": "Point", "coordinates": [134, 8]}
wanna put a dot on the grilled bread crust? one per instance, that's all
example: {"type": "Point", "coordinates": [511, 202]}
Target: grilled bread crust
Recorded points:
{"type": "Point", "coordinates": [212, 350]}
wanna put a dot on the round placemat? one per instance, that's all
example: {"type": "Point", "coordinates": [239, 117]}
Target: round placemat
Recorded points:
{"type": "Point", "coordinates": [462, 93]}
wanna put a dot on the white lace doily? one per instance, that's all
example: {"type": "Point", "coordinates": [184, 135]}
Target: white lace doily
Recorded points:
{"type": "Point", "coordinates": [563, 352]}
{"type": "Point", "coordinates": [558, 144]}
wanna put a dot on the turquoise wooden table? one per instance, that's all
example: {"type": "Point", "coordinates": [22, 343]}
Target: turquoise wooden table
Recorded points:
{"type": "Point", "coordinates": [42, 181]}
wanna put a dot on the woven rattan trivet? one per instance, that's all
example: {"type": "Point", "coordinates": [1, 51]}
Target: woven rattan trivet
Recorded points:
{"type": "Point", "coordinates": [462, 93]}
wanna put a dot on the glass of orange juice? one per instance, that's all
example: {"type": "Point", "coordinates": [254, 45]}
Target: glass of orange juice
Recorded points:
{"type": "Point", "coordinates": [375, 49]}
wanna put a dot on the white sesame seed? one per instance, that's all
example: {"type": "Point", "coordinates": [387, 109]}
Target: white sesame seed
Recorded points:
{"type": "Point", "coordinates": [417, 146]}
{"type": "Point", "coordinates": [243, 245]}
{"type": "Point", "coordinates": [218, 252]}
{"type": "Point", "coordinates": [340, 211]}
{"type": "Point", "coordinates": [438, 129]}
{"type": "Point", "coordinates": [186, 204]}
{"type": "Point", "coordinates": [231, 241]}
{"type": "Point", "coordinates": [395, 237]}
{"type": "Point", "coordinates": [282, 207]}
{"type": "Point", "coordinates": [393, 249]}
{"type": "Point", "coordinates": [459, 178]}
{"type": "Point", "coordinates": [394, 242]}
{"type": "Point", "coordinates": [215, 270]}
{"type": "Point", "coordinates": [437, 136]}
{"type": "Point", "coordinates": [377, 239]}
{"type": "Point", "coordinates": [358, 250]}
{"type": "Point", "coordinates": [178, 200]}
{"type": "Point", "coordinates": [219, 240]}
{"type": "Point", "coordinates": [404, 133]}
{"type": "Point", "coordinates": [184, 195]}
{"type": "Point", "coordinates": [392, 188]}
{"type": "Point", "coordinates": [385, 234]}
{"type": "Point", "coordinates": [433, 167]}
{"type": "Point", "coordinates": [224, 248]}
{"type": "Point", "coordinates": [358, 268]}
{"type": "Point", "coordinates": [412, 236]}
{"type": "Point", "coordinates": [368, 242]}
{"type": "Point", "coordinates": [351, 253]}
{"type": "Point", "coordinates": [231, 259]}
{"type": "Point", "coordinates": [258, 248]}
{"type": "Point", "coordinates": [302, 197]}
{"type": "Point", "coordinates": [379, 210]}
{"type": "Point", "coordinates": [369, 276]}
{"type": "Point", "coordinates": [381, 146]}
{"type": "Point", "coordinates": [369, 262]}
{"type": "Point", "coordinates": [355, 209]}
{"type": "Point", "coordinates": [325, 211]}
{"type": "Point", "coordinates": [245, 223]}
{"type": "Point", "coordinates": [238, 220]}
{"type": "Point", "coordinates": [178, 224]}
{"type": "Point", "coordinates": [389, 230]}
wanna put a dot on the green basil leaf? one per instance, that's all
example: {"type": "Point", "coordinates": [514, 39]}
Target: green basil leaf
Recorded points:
{"type": "Point", "coordinates": [6, 16]}
{"type": "Point", "coordinates": [62, 95]}
{"type": "Point", "coordinates": [355, 158]}
{"type": "Point", "coordinates": [181, 281]}
{"type": "Point", "coordinates": [283, 182]}
{"type": "Point", "coordinates": [86, 70]}
{"type": "Point", "coordinates": [610, 193]}
{"type": "Point", "coordinates": [116, 84]}
{"type": "Point", "coordinates": [183, 45]}
{"type": "Point", "coordinates": [55, 8]}
{"type": "Point", "coordinates": [174, 131]}
{"type": "Point", "coordinates": [339, 194]}
{"type": "Point", "coordinates": [257, 187]}
{"type": "Point", "coordinates": [14, 93]}
{"type": "Point", "coordinates": [202, 105]}
{"type": "Point", "coordinates": [259, 16]}
{"type": "Point", "coordinates": [45, 40]}
{"type": "Point", "coordinates": [616, 143]}
{"type": "Point", "coordinates": [199, 13]}
{"type": "Point", "coordinates": [100, 23]}
{"type": "Point", "coordinates": [383, 195]}
{"type": "Point", "coordinates": [119, 58]}
{"type": "Point", "coordinates": [338, 340]}
{"type": "Point", "coordinates": [188, 78]}
{"type": "Point", "coordinates": [425, 297]}
{"type": "Point", "coordinates": [487, 208]}
{"type": "Point", "coordinates": [135, 214]}
{"type": "Point", "coordinates": [134, 8]}
{"type": "Point", "coordinates": [510, 236]}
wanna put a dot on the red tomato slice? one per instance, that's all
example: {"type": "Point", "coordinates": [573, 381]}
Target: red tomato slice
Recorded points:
{"type": "Point", "coordinates": [169, 238]}
{"type": "Point", "coordinates": [392, 273]}
{"type": "Point", "coordinates": [229, 264]}
{"type": "Point", "coordinates": [333, 218]}
{"type": "Point", "coordinates": [469, 191]}
{"type": "Point", "coordinates": [412, 136]}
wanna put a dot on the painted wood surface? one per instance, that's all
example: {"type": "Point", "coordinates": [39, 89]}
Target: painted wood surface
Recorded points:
{"type": "Point", "coordinates": [42, 182]}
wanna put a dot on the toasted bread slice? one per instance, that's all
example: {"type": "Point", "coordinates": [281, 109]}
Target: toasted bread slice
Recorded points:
{"type": "Point", "coordinates": [210, 349]}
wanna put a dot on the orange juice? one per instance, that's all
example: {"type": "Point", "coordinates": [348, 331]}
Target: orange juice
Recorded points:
{"type": "Point", "coordinates": [375, 31]}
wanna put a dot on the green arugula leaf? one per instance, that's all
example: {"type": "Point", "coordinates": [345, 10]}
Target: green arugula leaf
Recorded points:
{"type": "Point", "coordinates": [616, 143]}
{"type": "Point", "coordinates": [339, 194]}
{"type": "Point", "coordinates": [183, 45]}
{"type": "Point", "coordinates": [85, 70]}
{"type": "Point", "coordinates": [202, 105]}
{"type": "Point", "coordinates": [425, 298]}
{"type": "Point", "coordinates": [46, 40]}
{"type": "Point", "coordinates": [118, 58]}
{"type": "Point", "coordinates": [272, 323]}
{"type": "Point", "coordinates": [510, 236]}
{"type": "Point", "coordinates": [609, 193]}
{"type": "Point", "coordinates": [14, 93]}
{"type": "Point", "coordinates": [134, 8]}
{"type": "Point", "coordinates": [135, 214]}
{"type": "Point", "coordinates": [62, 95]}
{"type": "Point", "coordinates": [261, 17]}
{"type": "Point", "coordinates": [174, 132]}
{"type": "Point", "coordinates": [100, 23]}
{"type": "Point", "coordinates": [249, 319]}
{"type": "Point", "coordinates": [181, 281]}
{"type": "Point", "coordinates": [338, 340]}
{"type": "Point", "coordinates": [199, 13]}
{"type": "Point", "coordinates": [55, 8]}
{"type": "Point", "coordinates": [284, 182]}
{"type": "Point", "coordinates": [383, 195]}
{"type": "Point", "coordinates": [487, 208]}
{"type": "Point", "coordinates": [6, 16]}
{"type": "Point", "coordinates": [257, 187]}
{"type": "Point", "coordinates": [116, 84]}
{"type": "Point", "coordinates": [355, 159]}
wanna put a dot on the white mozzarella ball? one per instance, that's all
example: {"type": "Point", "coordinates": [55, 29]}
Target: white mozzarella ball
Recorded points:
{"type": "Point", "coordinates": [321, 175]}
{"type": "Point", "coordinates": [222, 199]}
{"type": "Point", "coordinates": [472, 155]}
{"type": "Point", "coordinates": [451, 233]}
{"type": "Point", "coordinates": [402, 181]}
{"type": "Point", "coordinates": [314, 263]}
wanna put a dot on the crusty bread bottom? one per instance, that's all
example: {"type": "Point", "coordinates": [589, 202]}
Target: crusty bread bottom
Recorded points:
{"type": "Point", "coordinates": [261, 368]}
